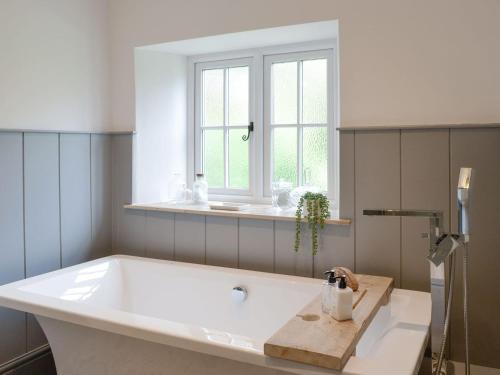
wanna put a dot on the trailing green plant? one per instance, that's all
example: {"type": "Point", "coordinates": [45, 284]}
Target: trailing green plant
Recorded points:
{"type": "Point", "coordinates": [318, 210]}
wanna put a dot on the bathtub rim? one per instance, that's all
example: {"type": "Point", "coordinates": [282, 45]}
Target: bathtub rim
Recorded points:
{"type": "Point", "coordinates": [160, 331]}
{"type": "Point", "coordinates": [150, 328]}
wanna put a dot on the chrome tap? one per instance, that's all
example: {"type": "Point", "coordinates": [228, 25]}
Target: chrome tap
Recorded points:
{"type": "Point", "coordinates": [441, 246]}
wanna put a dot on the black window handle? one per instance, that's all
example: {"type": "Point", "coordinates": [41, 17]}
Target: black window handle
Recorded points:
{"type": "Point", "coordinates": [250, 129]}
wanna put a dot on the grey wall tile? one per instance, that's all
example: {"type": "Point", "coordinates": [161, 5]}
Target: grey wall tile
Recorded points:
{"type": "Point", "coordinates": [479, 149]}
{"type": "Point", "coordinates": [76, 232]}
{"type": "Point", "coordinates": [287, 261]}
{"type": "Point", "coordinates": [13, 332]}
{"type": "Point", "coordinates": [222, 241]}
{"type": "Point", "coordinates": [256, 245]}
{"type": "Point", "coordinates": [101, 194]}
{"type": "Point", "coordinates": [190, 238]}
{"type": "Point", "coordinates": [41, 197]}
{"type": "Point", "coordinates": [160, 232]}
{"type": "Point", "coordinates": [377, 164]}
{"type": "Point", "coordinates": [425, 184]}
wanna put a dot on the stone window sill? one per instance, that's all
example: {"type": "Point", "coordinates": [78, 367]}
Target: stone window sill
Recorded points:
{"type": "Point", "coordinates": [252, 211]}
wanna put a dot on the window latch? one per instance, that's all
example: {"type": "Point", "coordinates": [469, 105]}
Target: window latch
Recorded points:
{"type": "Point", "coordinates": [250, 129]}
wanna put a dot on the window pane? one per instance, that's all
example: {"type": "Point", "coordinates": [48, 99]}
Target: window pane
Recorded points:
{"type": "Point", "coordinates": [213, 97]}
{"type": "Point", "coordinates": [314, 156]}
{"type": "Point", "coordinates": [238, 159]}
{"type": "Point", "coordinates": [284, 92]}
{"type": "Point", "coordinates": [285, 154]}
{"type": "Point", "coordinates": [213, 157]}
{"type": "Point", "coordinates": [238, 95]}
{"type": "Point", "coordinates": [314, 91]}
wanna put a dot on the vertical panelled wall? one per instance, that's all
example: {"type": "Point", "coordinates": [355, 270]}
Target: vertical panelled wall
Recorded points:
{"type": "Point", "coordinates": [379, 168]}
{"type": "Point", "coordinates": [55, 201]}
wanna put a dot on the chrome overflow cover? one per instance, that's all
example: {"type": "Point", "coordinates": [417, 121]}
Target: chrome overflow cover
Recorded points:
{"type": "Point", "coordinates": [239, 294]}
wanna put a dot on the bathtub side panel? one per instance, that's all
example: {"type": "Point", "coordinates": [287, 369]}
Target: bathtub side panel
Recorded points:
{"type": "Point", "coordinates": [72, 345]}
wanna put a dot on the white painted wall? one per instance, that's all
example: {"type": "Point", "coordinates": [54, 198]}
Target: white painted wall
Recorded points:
{"type": "Point", "coordinates": [402, 62]}
{"type": "Point", "coordinates": [54, 68]}
{"type": "Point", "coordinates": [160, 143]}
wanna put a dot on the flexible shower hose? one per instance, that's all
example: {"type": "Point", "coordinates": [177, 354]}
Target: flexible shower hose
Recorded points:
{"type": "Point", "coordinates": [448, 310]}
{"type": "Point", "coordinates": [444, 338]}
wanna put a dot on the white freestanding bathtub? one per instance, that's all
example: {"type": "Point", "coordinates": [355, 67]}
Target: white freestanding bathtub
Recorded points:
{"type": "Point", "coordinates": [129, 315]}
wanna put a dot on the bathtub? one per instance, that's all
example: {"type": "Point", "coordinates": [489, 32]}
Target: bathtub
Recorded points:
{"type": "Point", "coordinates": [131, 315]}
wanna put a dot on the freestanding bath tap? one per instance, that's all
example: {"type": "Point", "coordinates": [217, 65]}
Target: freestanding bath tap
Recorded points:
{"type": "Point", "coordinates": [441, 246]}
{"type": "Point", "coordinates": [436, 237]}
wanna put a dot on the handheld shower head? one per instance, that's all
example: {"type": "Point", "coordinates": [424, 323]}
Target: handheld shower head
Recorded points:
{"type": "Point", "coordinates": [463, 200]}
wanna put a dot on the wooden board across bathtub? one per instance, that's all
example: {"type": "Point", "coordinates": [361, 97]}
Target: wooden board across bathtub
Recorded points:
{"type": "Point", "coordinates": [315, 338]}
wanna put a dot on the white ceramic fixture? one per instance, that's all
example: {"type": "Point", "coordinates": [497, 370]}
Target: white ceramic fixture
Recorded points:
{"type": "Point", "coordinates": [130, 315]}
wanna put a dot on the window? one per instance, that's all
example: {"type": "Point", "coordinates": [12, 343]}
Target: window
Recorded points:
{"type": "Point", "coordinates": [224, 93]}
{"type": "Point", "coordinates": [289, 97]}
{"type": "Point", "coordinates": [297, 117]}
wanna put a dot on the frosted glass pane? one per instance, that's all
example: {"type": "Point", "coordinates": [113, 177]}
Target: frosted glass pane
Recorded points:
{"type": "Point", "coordinates": [285, 154]}
{"type": "Point", "coordinates": [315, 156]}
{"type": "Point", "coordinates": [284, 92]}
{"type": "Point", "coordinates": [238, 95]}
{"type": "Point", "coordinates": [314, 91]}
{"type": "Point", "coordinates": [213, 97]}
{"type": "Point", "coordinates": [238, 159]}
{"type": "Point", "coordinates": [213, 157]}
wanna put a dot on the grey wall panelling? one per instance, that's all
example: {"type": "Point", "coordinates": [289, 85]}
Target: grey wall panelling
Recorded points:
{"type": "Point", "coordinates": [336, 248]}
{"type": "Point", "coordinates": [128, 226]}
{"type": "Point", "coordinates": [479, 149]}
{"type": "Point", "coordinates": [377, 165]}
{"type": "Point", "coordinates": [13, 323]}
{"type": "Point", "coordinates": [121, 171]}
{"type": "Point", "coordinates": [46, 176]}
{"type": "Point", "coordinates": [101, 194]}
{"type": "Point", "coordinates": [425, 184]}
{"type": "Point", "coordinates": [41, 213]}
{"type": "Point", "coordinates": [41, 197]}
{"type": "Point", "coordinates": [256, 245]}
{"type": "Point", "coordinates": [287, 261]}
{"type": "Point", "coordinates": [383, 168]}
{"type": "Point", "coordinates": [222, 241]}
{"type": "Point", "coordinates": [76, 221]}
{"type": "Point", "coordinates": [190, 238]}
{"type": "Point", "coordinates": [160, 235]}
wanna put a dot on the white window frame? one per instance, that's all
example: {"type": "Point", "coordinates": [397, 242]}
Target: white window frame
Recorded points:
{"type": "Point", "coordinates": [269, 60]}
{"type": "Point", "coordinates": [259, 161]}
{"type": "Point", "coordinates": [198, 149]}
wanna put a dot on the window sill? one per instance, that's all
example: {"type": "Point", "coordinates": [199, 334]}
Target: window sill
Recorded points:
{"type": "Point", "coordinates": [254, 211]}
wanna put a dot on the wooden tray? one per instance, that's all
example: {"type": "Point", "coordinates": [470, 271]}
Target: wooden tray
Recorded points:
{"type": "Point", "coordinates": [315, 338]}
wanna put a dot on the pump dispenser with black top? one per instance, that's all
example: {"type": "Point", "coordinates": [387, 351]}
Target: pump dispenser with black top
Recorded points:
{"type": "Point", "coordinates": [342, 298]}
{"type": "Point", "coordinates": [327, 291]}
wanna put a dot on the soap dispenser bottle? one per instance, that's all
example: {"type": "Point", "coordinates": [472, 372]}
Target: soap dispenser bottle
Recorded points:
{"type": "Point", "coordinates": [342, 301]}
{"type": "Point", "coordinates": [327, 292]}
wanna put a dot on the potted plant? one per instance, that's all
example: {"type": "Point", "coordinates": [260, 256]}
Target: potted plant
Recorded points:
{"type": "Point", "coordinates": [315, 207]}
